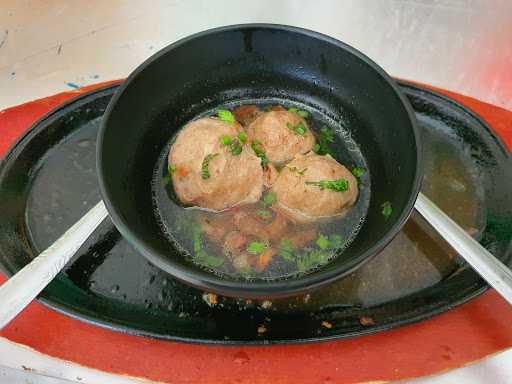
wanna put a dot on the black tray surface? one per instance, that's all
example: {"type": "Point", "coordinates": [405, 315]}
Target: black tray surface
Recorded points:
{"type": "Point", "coordinates": [48, 181]}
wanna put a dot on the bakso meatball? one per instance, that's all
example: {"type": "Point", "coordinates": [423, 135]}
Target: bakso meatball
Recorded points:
{"type": "Point", "coordinates": [314, 187]}
{"type": "Point", "coordinates": [246, 114]}
{"type": "Point", "coordinates": [212, 167]}
{"type": "Point", "coordinates": [281, 135]}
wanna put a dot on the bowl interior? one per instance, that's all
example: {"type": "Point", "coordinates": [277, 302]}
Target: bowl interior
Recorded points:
{"type": "Point", "coordinates": [237, 63]}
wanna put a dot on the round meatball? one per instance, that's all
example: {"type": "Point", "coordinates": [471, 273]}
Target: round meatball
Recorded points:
{"type": "Point", "coordinates": [299, 195]}
{"type": "Point", "coordinates": [282, 135]}
{"type": "Point", "coordinates": [207, 172]}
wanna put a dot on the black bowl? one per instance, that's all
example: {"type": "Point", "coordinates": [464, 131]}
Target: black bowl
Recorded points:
{"type": "Point", "coordinates": [240, 62]}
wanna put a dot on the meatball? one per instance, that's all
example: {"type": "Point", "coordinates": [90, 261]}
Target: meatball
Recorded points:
{"type": "Point", "coordinates": [282, 135]}
{"type": "Point", "coordinates": [208, 173]}
{"type": "Point", "coordinates": [299, 195]}
{"type": "Point", "coordinates": [246, 114]}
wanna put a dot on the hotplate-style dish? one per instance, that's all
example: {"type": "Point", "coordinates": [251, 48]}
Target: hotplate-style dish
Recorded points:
{"type": "Point", "coordinates": [466, 172]}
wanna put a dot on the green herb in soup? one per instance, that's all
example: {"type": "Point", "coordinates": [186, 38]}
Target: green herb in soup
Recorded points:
{"type": "Point", "coordinates": [387, 210]}
{"type": "Point", "coordinates": [226, 115]}
{"type": "Point", "coordinates": [205, 173]}
{"type": "Point", "coordinates": [340, 185]}
{"type": "Point", "coordinates": [358, 171]}
{"type": "Point", "coordinates": [257, 247]}
{"type": "Point", "coordinates": [264, 213]}
{"type": "Point", "coordinates": [242, 136]}
{"type": "Point", "coordinates": [286, 250]}
{"type": "Point", "coordinates": [268, 199]}
{"type": "Point", "coordinates": [258, 150]}
{"type": "Point", "coordinates": [300, 112]}
{"type": "Point", "coordinates": [299, 129]}
{"type": "Point", "coordinates": [325, 139]}
{"type": "Point", "coordinates": [235, 143]}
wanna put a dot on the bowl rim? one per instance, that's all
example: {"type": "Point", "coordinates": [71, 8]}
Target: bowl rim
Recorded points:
{"type": "Point", "coordinates": [259, 289]}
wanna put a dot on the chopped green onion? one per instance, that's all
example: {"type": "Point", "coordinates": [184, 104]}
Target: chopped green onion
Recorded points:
{"type": "Point", "coordinates": [325, 138]}
{"type": "Point", "coordinates": [303, 114]}
{"type": "Point", "coordinates": [336, 241]}
{"type": "Point", "coordinates": [225, 140]}
{"type": "Point", "coordinates": [358, 171]}
{"type": "Point", "coordinates": [196, 239]}
{"type": "Point", "coordinates": [340, 185]}
{"type": "Point", "coordinates": [234, 143]}
{"type": "Point", "coordinates": [205, 173]}
{"type": "Point", "coordinates": [201, 257]}
{"type": "Point", "coordinates": [312, 259]}
{"type": "Point", "coordinates": [332, 242]}
{"type": "Point", "coordinates": [387, 210]}
{"type": "Point", "coordinates": [255, 145]}
{"type": "Point", "coordinates": [171, 168]}
{"type": "Point", "coordinates": [208, 261]}
{"type": "Point", "coordinates": [286, 250]}
{"type": "Point", "coordinates": [256, 247]}
{"type": "Point", "coordinates": [269, 199]}
{"type": "Point", "coordinates": [300, 112]}
{"type": "Point", "coordinates": [299, 129]}
{"type": "Point", "coordinates": [226, 115]}
{"type": "Point", "coordinates": [264, 214]}
{"type": "Point", "coordinates": [236, 148]}
{"type": "Point", "coordinates": [327, 134]}
{"type": "Point", "coordinates": [323, 242]}
{"type": "Point", "coordinates": [242, 136]}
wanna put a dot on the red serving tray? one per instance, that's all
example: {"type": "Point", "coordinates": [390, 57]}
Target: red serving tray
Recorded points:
{"type": "Point", "coordinates": [456, 338]}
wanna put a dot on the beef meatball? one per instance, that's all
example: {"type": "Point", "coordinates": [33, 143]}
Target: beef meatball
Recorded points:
{"type": "Point", "coordinates": [246, 114]}
{"type": "Point", "coordinates": [210, 173]}
{"type": "Point", "coordinates": [282, 135]}
{"type": "Point", "coordinates": [301, 197]}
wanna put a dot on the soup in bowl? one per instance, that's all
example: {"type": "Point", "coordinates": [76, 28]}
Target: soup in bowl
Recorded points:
{"type": "Point", "coordinates": [259, 160]}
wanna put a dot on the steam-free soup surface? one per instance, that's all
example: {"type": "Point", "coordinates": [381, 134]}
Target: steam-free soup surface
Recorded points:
{"type": "Point", "coordinates": [258, 192]}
